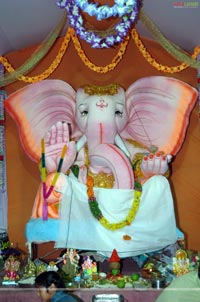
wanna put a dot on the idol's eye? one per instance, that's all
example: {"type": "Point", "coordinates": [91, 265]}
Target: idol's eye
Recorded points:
{"type": "Point", "coordinates": [119, 110]}
{"type": "Point", "coordinates": [84, 113]}
{"type": "Point", "coordinates": [83, 109]}
{"type": "Point", "coordinates": [119, 113]}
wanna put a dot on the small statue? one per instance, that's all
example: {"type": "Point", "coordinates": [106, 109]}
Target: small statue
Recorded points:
{"type": "Point", "coordinates": [180, 263]}
{"type": "Point", "coordinates": [89, 266]}
{"type": "Point", "coordinates": [52, 266]}
{"type": "Point", "coordinates": [70, 263]}
{"type": "Point", "coordinates": [11, 265]}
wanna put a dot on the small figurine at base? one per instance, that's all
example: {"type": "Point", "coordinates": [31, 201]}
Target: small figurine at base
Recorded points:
{"type": "Point", "coordinates": [11, 265]}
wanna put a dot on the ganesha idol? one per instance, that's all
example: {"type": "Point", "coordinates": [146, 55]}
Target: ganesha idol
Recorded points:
{"type": "Point", "coordinates": [104, 155]}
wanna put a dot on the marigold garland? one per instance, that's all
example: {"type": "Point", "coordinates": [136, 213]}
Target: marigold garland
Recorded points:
{"type": "Point", "coordinates": [92, 66]}
{"type": "Point", "coordinates": [173, 49]}
{"type": "Point", "coordinates": [151, 60]}
{"type": "Point", "coordinates": [38, 54]}
{"type": "Point", "coordinates": [49, 70]}
{"type": "Point", "coordinates": [70, 34]}
{"type": "Point", "coordinates": [94, 207]}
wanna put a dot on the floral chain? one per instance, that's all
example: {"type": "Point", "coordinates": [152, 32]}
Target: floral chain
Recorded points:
{"type": "Point", "coordinates": [100, 69]}
{"type": "Point", "coordinates": [92, 66]}
{"type": "Point", "coordinates": [56, 62]}
{"type": "Point", "coordinates": [153, 62]}
{"type": "Point", "coordinates": [120, 8]}
{"type": "Point", "coordinates": [112, 226]}
{"type": "Point", "coordinates": [49, 70]}
{"type": "Point", "coordinates": [100, 39]}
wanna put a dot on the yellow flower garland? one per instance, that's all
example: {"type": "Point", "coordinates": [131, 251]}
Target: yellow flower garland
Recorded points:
{"type": "Point", "coordinates": [112, 226]}
{"type": "Point", "coordinates": [92, 66]}
{"type": "Point", "coordinates": [49, 70]}
{"type": "Point", "coordinates": [70, 34]}
{"type": "Point", "coordinates": [153, 62]}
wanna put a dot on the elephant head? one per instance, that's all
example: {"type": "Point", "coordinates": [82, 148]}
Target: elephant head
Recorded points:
{"type": "Point", "coordinates": [152, 111]}
{"type": "Point", "coordinates": [101, 115]}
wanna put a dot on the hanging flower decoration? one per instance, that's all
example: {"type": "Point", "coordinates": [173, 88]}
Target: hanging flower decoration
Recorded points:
{"type": "Point", "coordinates": [119, 9]}
{"type": "Point", "coordinates": [100, 39]}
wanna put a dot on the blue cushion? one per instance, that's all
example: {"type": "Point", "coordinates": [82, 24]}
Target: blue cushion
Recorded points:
{"type": "Point", "coordinates": [39, 230]}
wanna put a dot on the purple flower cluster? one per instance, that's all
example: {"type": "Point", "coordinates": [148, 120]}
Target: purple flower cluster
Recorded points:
{"type": "Point", "coordinates": [119, 32]}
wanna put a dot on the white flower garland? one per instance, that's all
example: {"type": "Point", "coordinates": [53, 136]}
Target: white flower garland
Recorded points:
{"type": "Point", "coordinates": [95, 39]}
{"type": "Point", "coordinates": [120, 8]}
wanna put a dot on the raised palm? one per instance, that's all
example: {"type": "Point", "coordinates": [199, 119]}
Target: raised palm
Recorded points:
{"type": "Point", "coordinates": [55, 140]}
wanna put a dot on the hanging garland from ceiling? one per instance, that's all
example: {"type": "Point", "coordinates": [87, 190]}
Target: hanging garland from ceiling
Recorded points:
{"type": "Point", "coordinates": [92, 66]}
{"type": "Point", "coordinates": [160, 67]}
{"type": "Point", "coordinates": [35, 58]}
{"type": "Point", "coordinates": [170, 47]}
{"type": "Point", "coordinates": [19, 73]}
{"type": "Point", "coordinates": [70, 34]}
{"type": "Point", "coordinates": [96, 38]}
{"type": "Point", "coordinates": [119, 9]}
{"type": "Point", "coordinates": [43, 75]}
{"type": "Point", "coordinates": [100, 69]}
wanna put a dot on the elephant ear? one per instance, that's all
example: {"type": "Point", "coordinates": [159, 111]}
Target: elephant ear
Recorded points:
{"type": "Point", "coordinates": [159, 109]}
{"type": "Point", "coordinates": [36, 107]}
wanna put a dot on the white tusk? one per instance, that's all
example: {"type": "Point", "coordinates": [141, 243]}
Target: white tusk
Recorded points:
{"type": "Point", "coordinates": [120, 143]}
{"type": "Point", "coordinates": [81, 142]}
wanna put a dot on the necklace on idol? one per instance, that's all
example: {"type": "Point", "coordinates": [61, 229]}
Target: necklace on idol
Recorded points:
{"type": "Point", "coordinates": [97, 213]}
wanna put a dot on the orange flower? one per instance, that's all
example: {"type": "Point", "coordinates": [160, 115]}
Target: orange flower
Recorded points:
{"type": "Point", "coordinates": [89, 181]}
{"type": "Point", "coordinates": [127, 237]}
{"type": "Point", "coordinates": [90, 193]}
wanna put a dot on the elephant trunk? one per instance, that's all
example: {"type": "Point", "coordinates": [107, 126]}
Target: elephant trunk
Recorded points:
{"type": "Point", "coordinates": [100, 133]}
{"type": "Point", "coordinates": [108, 158]}
{"type": "Point", "coordinates": [105, 156]}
